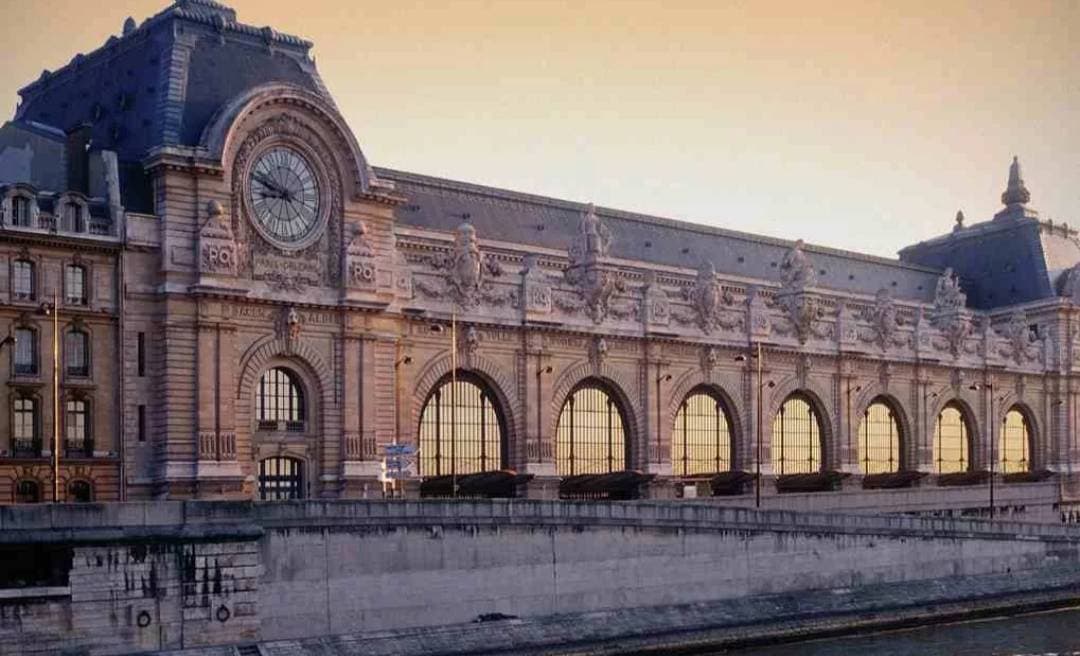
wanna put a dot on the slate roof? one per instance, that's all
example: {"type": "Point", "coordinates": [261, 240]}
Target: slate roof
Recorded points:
{"type": "Point", "coordinates": [503, 215]}
{"type": "Point", "coordinates": [160, 83]}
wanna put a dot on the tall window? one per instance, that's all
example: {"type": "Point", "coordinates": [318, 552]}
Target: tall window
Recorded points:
{"type": "Point", "coordinates": [74, 217]}
{"type": "Point", "coordinates": [701, 439]}
{"type": "Point", "coordinates": [24, 422]}
{"type": "Point", "coordinates": [460, 429]}
{"type": "Point", "coordinates": [951, 441]}
{"type": "Point", "coordinates": [280, 401]}
{"type": "Point", "coordinates": [1015, 443]}
{"type": "Point", "coordinates": [80, 491]}
{"type": "Point", "coordinates": [140, 356]}
{"type": "Point", "coordinates": [796, 437]}
{"type": "Point", "coordinates": [281, 478]}
{"type": "Point", "coordinates": [75, 284]}
{"type": "Point", "coordinates": [77, 427]}
{"type": "Point", "coordinates": [20, 211]}
{"type": "Point", "coordinates": [879, 439]}
{"type": "Point", "coordinates": [22, 280]}
{"type": "Point", "coordinates": [591, 435]}
{"type": "Point", "coordinates": [77, 353]}
{"type": "Point", "coordinates": [27, 491]}
{"type": "Point", "coordinates": [26, 360]}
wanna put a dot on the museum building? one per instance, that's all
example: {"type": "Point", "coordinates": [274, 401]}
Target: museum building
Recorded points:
{"type": "Point", "coordinates": [207, 291]}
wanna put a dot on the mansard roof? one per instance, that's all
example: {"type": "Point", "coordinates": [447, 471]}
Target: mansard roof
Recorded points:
{"type": "Point", "coordinates": [160, 83]}
{"type": "Point", "coordinates": [498, 214]}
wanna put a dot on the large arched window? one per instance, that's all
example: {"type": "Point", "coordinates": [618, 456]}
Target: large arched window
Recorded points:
{"type": "Point", "coordinates": [279, 402]}
{"type": "Point", "coordinates": [879, 439]}
{"type": "Point", "coordinates": [591, 433]}
{"type": "Point", "coordinates": [1015, 442]}
{"type": "Point", "coordinates": [461, 428]}
{"type": "Point", "coordinates": [796, 437]}
{"type": "Point", "coordinates": [952, 440]}
{"type": "Point", "coordinates": [281, 478]}
{"type": "Point", "coordinates": [701, 437]}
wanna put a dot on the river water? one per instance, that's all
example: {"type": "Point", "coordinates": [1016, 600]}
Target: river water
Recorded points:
{"type": "Point", "coordinates": [1055, 633]}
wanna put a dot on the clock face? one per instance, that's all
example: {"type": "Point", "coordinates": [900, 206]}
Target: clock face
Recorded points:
{"type": "Point", "coordinates": [284, 195]}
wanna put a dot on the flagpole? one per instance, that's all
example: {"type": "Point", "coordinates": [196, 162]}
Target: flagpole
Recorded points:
{"type": "Point", "coordinates": [56, 398]}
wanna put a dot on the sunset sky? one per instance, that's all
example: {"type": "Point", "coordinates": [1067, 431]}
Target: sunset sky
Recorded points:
{"type": "Point", "coordinates": [858, 125]}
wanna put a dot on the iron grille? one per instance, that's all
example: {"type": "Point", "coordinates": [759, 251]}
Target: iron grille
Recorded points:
{"type": "Point", "coordinates": [460, 429]}
{"type": "Point", "coordinates": [796, 438]}
{"type": "Point", "coordinates": [701, 440]}
{"type": "Point", "coordinates": [591, 435]}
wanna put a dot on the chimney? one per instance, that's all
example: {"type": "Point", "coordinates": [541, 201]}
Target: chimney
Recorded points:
{"type": "Point", "coordinates": [78, 158]}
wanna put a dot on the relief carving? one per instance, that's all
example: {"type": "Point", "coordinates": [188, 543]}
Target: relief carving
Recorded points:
{"type": "Point", "coordinates": [536, 286]}
{"type": "Point", "coordinates": [657, 306]}
{"type": "Point", "coordinates": [800, 307]}
{"type": "Point", "coordinates": [595, 284]}
{"type": "Point", "coordinates": [467, 271]}
{"type": "Point", "coordinates": [1020, 345]}
{"type": "Point", "coordinates": [360, 258]}
{"type": "Point", "coordinates": [883, 320]}
{"type": "Point", "coordinates": [949, 315]}
{"type": "Point", "coordinates": [217, 248]}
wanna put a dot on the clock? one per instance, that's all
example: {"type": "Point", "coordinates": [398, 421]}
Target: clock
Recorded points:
{"type": "Point", "coordinates": [284, 197]}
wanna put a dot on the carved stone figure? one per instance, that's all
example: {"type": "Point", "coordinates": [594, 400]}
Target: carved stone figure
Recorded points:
{"type": "Point", "coordinates": [536, 286]}
{"type": "Point", "coordinates": [882, 318]}
{"type": "Point", "coordinates": [594, 240]}
{"type": "Point", "coordinates": [1020, 344]}
{"type": "Point", "coordinates": [1069, 284]}
{"type": "Point", "coordinates": [796, 270]}
{"type": "Point", "coordinates": [360, 258]}
{"type": "Point", "coordinates": [598, 352]}
{"type": "Point", "coordinates": [468, 269]}
{"type": "Point", "coordinates": [948, 296]}
{"type": "Point", "coordinates": [217, 248]}
{"type": "Point", "coordinates": [706, 296]}
{"type": "Point", "coordinates": [657, 307]}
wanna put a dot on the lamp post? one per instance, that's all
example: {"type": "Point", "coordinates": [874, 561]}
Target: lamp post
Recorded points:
{"type": "Point", "coordinates": [453, 400]}
{"type": "Point", "coordinates": [660, 378]}
{"type": "Point", "coordinates": [540, 371]}
{"type": "Point", "coordinates": [407, 360]}
{"type": "Point", "coordinates": [990, 438]}
{"type": "Point", "coordinates": [53, 309]}
{"type": "Point", "coordinates": [760, 402]}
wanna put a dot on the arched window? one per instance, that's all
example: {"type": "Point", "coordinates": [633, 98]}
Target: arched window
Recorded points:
{"type": "Point", "coordinates": [27, 491]}
{"type": "Point", "coordinates": [279, 403]}
{"type": "Point", "coordinates": [879, 439]}
{"type": "Point", "coordinates": [26, 352]}
{"type": "Point", "coordinates": [74, 218]}
{"type": "Point", "coordinates": [461, 428]}
{"type": "Point", "coordinates": [591, 434]}
{"type": "Point", "coordinates": [23, 281]}
{"type": "Point", "coordinates": [24, 423]}
{"type": "Point", "coordinates": [281, 478]}
{"type": "Point", "coordinates": [77, 353]}
{"type": "Point", "coordinates": [1015, 443]}
{"type": "Point", "coordinates": [701, 437]}
{"type": "Point", "coordinates": [796, 437]}
{"type": "Point", "coordinates": [80, 491]}
{"type": "Point", "coordinates": [951, 440]}
{"type": "Point", "coordinates": [77, 428]}
{"type": "Point", "coordinates": [21, 211]}
{"type": "Point", "coordinates": [75, 284]}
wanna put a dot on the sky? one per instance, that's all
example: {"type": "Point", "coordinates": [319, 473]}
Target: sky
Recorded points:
{"type": "Point", "coordinates": [858, 125]}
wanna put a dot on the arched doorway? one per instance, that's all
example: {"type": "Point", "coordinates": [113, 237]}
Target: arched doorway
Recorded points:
{"type": "Point", "coordinates": [701, 440]}
{"type": "Point", "coordinates": [462, 428]}
{"type": "Point", "coordinates": [879, 439]}
{"type": "Point", "coordinates": [796, 437]}
{"type": "Point", "coordinates": [281, 478]}
{"type": "Point", "coordinates": [591, 431]}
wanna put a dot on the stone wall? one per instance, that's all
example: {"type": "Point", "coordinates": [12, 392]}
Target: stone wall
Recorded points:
{"type": "Point", "coordinates": [184, 574]}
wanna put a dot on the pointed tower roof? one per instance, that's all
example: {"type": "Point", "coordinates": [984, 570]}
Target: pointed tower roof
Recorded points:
{"type": "Point", "coordinates": [1015, 192]}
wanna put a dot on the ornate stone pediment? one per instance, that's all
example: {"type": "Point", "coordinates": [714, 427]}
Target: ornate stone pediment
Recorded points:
{"type": "Point", "coordinates": [467, 273]}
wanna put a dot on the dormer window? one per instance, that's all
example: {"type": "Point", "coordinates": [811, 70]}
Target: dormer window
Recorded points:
{"type": "Point", "coordinates": [21, 211]}
{"type": "Point", "coordinates": [74, 217]}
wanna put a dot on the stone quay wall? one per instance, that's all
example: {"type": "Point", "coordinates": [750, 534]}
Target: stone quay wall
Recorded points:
{"type": "Point", "coordinates": [174, 575]}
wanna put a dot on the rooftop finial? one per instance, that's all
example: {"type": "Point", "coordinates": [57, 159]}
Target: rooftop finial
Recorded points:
{"type": "Point", "coordinates": [129, 25]}
{"type": "Point", "coordinates": [1016, 193]}
{"type": "Point", "coordinates": [959, 221]}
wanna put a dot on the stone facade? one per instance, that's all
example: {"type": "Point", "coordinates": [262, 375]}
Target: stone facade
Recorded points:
{"type": "Point", "coordinates": [191, 302]}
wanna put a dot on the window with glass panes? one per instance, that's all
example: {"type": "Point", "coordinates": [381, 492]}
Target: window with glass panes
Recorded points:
{"type": "Point", "coordinates": [1015, 443]}
{"type": "Point", "coordinates": [75, 284]}
{"type": "Point", "coordinates": [461, 428]}
{"type": "Point", "coordinates": [20, 211]}
{"type": "Point", "coordinates": [22, 280]}
{"type": "Point", "coordinates": [952, 441]}
{"type": "Point", "coordinates": [879, 439]}
{"type": "Point", "coordinates": [77, 424]}
{"type": "Point", "coordinates": [77, 353]}
{"type": "Point", "coordinates": [80, 491]}
{"type": "Point", "coordinates": [279, 403]}
{"type": "Point", "coordinates": [591, 434]}
{"type": "Point", "coordinates": [74, 217]}
{"type": "Point", "coordinates": [24, 424]}
{"type": "Point", "coordinates": [796, 437]}
{"type": "Point", "coordinates": [27, 491]}
{"type": "Point", "coordinates": [25, 354]}
{"type": "Point", "coordinates": [701, 436]}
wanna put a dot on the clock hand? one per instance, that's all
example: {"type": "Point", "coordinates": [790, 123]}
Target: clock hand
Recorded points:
{"type": "Point", "coordinates": [269, 183]}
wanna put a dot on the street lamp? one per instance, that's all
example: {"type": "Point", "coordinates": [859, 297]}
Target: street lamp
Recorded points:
{"type": "Point", "coordinates": [540, 372]}
{"type": "Point", "coordinates": [990, 438]}
{"type": "Point", "coordinates": [53, 309]}
{"type": "Point", "coordinates": [760, 390]}
{"type": "Point", "coordinates": [437, 328]}
{"type": "Point", "coordinates": [660, 378]}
